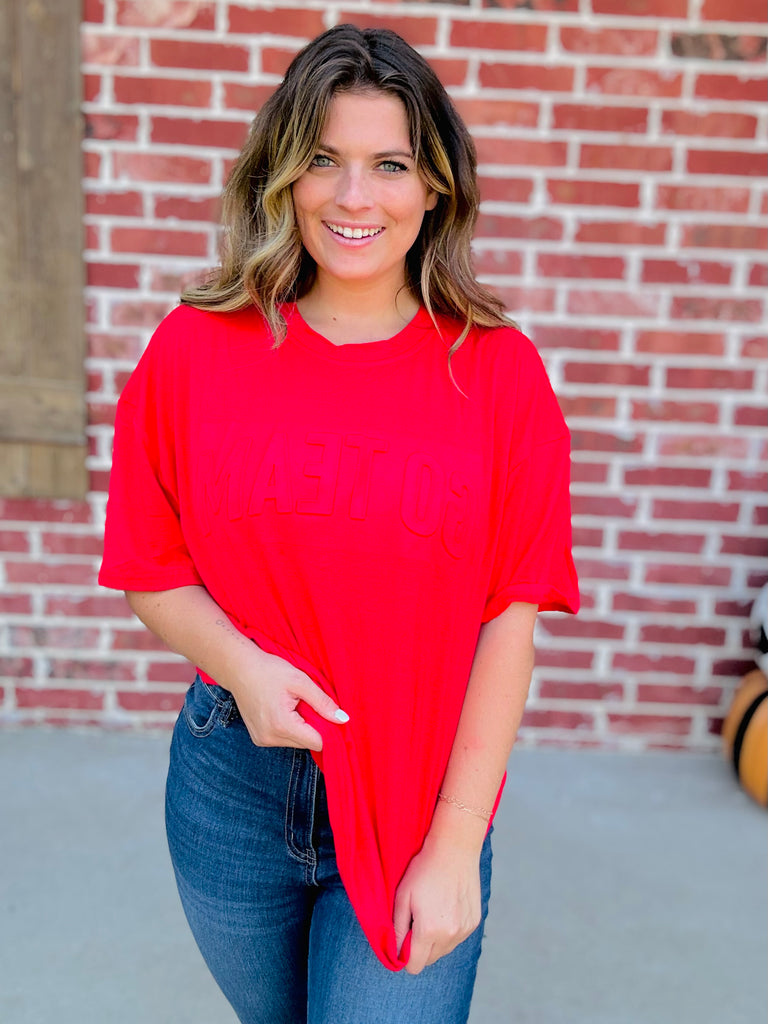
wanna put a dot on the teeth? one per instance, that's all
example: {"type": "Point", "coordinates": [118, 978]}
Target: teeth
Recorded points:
{"type": "Point", "coordinates": [354, 232]}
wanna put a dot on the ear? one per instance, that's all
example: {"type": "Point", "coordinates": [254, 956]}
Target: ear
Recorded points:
{"type": "Point", "coordinates": [431, 202]}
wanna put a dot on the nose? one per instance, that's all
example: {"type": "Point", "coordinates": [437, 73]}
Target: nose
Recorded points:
{"type": "Point", "coordinates": [353, 192]}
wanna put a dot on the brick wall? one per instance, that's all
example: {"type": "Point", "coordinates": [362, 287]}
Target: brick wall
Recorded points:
{"type": "Point", "coordinates": [623, 167]}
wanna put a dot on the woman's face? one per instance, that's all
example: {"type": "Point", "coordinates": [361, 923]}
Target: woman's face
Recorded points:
{"type": "Point", "coordinates": [360, 204]}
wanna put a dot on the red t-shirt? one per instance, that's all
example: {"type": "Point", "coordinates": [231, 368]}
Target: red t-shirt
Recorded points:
{"type": "Point", "coordinates": [355, 511]}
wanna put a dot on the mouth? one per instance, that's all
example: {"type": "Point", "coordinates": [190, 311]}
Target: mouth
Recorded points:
{"type": "Point", "coordinates": [345, 231]}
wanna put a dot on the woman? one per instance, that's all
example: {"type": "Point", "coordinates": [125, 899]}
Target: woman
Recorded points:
{"type": "Point", "coordinates": [340, 489]}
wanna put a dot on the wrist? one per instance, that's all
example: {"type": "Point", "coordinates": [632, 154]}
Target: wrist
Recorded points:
{"type": "Point", "coordinates": [455, 828]}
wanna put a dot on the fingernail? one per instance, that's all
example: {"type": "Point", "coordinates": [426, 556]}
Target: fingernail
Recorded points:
{"type": "Point", "coordinates": [340, 716]}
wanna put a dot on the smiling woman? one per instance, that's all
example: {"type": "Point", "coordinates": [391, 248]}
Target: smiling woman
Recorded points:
{"type": "Point", "coordinates": [340, 489]}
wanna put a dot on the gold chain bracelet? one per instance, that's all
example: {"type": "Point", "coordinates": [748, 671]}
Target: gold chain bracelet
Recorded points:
{"type": "Point", "coordinates": [479, 812]}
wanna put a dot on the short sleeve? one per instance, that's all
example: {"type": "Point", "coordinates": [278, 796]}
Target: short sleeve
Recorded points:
{"type": "Point", "coordinates": [532, 559]}
{"type": "Point", "coordinates": [144, 547]}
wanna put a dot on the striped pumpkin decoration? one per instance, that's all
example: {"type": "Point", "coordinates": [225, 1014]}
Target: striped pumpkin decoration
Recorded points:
{"type": "Point", "coordinates": [745, 735]}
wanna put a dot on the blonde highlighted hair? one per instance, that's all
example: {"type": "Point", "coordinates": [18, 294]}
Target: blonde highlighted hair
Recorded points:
{"type": "Point", "coordinates": [263, 262]}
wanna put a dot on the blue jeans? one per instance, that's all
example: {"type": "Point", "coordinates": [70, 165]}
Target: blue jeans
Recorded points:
{"type": "Point", "coordinates": [253, 854]}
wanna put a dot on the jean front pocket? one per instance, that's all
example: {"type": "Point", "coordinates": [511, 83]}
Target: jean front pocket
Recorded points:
{"type": "Point", "coordinates": [204, 708]}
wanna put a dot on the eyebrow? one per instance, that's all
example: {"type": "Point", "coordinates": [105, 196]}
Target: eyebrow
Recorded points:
{"type": "Point", "coordinates": [376, 156]}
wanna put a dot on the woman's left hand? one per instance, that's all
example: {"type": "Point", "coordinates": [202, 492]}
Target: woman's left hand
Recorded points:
{"type": "Point", "coordinates": [439, 899]}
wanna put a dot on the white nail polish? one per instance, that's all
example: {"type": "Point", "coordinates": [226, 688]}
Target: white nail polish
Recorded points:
{"type": "Point", "coordinates": [341, 716]}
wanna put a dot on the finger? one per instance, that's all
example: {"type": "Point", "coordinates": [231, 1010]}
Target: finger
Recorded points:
{"type": "Point", "coordinates": [402, 918]}
{"type": "Point", "coordinates": [421, 952]}
{"type": "Point", "coordinates": [320, 702]}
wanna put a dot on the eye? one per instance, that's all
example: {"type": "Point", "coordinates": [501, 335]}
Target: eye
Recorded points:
{"type": "Point", "coordinates": [393, 166]}
{"type": "Point", "coordinates": [321, 160]}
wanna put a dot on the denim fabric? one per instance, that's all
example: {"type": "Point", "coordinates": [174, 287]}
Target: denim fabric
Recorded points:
{"type": "Point", "coordinates": [252, 850]}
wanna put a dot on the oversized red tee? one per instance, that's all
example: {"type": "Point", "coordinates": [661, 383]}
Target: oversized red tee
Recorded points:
{"type": "Point", "coordinates": [356, 511]}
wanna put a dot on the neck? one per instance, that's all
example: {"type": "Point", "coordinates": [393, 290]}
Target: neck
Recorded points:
{"type": "Point", "coordinates": [357, 314]}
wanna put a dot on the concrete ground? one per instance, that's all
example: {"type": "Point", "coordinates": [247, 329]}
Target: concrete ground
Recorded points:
{"type": "Point", "coordinates": [628, 889]}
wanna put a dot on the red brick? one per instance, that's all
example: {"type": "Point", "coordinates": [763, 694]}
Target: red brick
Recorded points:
{"type": "Point", "coordinates": [570, 117]}
{"type": "Point", "coordinates": [193, 132]}
{"type": "Point", "coordinates": [522, 152]}
{"type": "Point", "coordinates": [163, 279]}
{"type": "Point", "coordinates": [602, 569]}
{"type": "Point", "coordinates": [668, 476]}
{"type": "Point", "coordinates": [699, 307]}
{"type": "Point", "coordinates": [601, 441]}
{"type": "Point", "coordinates": [604, 506]}
{"type": "Point", "coordinates": [92, 86]}
{"type": "Point", "coordinates": [688, 575]}
{"type": "Point", "coordinates": [540, 718]}
{"type": "Point", "coordinates": [704, 446]}
{"type": "Point", "coordinates": [626, 158]}
{"type": "Point", "coordinates": [589, 338]}
{"type": "Point", "coordinates": [749, 416]}
{"type": "Point", "coordinates": [93, 11]}
{"type": "Point", "coordinates": [661, 664]}
{"type": "Point", "coordinates": [715, 161]}
{"type": "Point", "coordinates": [545, 78]}
{"type": "Point", "coordinates": [239, 96]}
{"type": "Point", "coordinates": [567, 625]}
{"type": "Point", "coordinates": [733, 609]}
{"type": "Point", "coordinates": [171, 92]}
{"type": "Point", "coordinates": [172, 53]}
{"type": "Point", "coordinates": [691, 636]}
{"type": "Point", "coordinates": [679, 412]}
{"type": "Point", "coordinates": [137, 314]}
{"type": "Point", "coordinates": [173, 14]}
{"type": "Point", "coordinates": [733, 10]}
{"type": "Point", "coordinates": [484, 34]}
{"type": "Point", "coordinates": [620, 81]}
{"type": "Point", "coordinates": [112, 275]}
{"type": "Point", "coordinates": [290, 21]}
{"type": "Point", "coordinates": [697, 197]}
{"type": "Point", "coordinates": [696, 511]}
{"type": "Point", "coordinates": [534, 300]}
{"type": "Point", "coordinates": [624, 41]}
{"type": "Point", "coordinates": [507, 190]}
{"type": "Point", "coordinates": [15, 604]}
{"type": "Point", "coordinates": [622, 233]}
{"type": "Point", "coordinates": [162, 167]}
{"type": "Point", "coordinates": [660, 694]}
{"type": "Point", "coordinates": [637, 303]}
{"type": "Point", "coordinates": [81, 668]}
{"type": "Point", "coordinates": [114, 204]}
{"type": "Point", "coordinates": [27, 697]}
{"type": "Point", "coordinates": [593, 193]}
{"type": "Point", "coordinates": [44, 510]}
{"type": "Point", "coordinates": [642, 8]}
{"type": "Point", "coordinates": [648, 724]}
{"type": "Point", "coordinates": [624, 602]}
{"type": "Point", "coordinates": [733, 88]}
{"type": "Point", "coordinates": [101, 414]}
{"type": "Point", "coordinates": [567, 265]}
{"type": "Point", "coordinates": [159, 242]}
{"type": "Point", "coordinates": [554, 6]}
{"type": "Point", "coordinates": [518, 113]}
{"type": "Point", "coordinates": [143, 700]}
{"type": "Point", "coordinates": [712, 124]}
{"type": "Point", "coordinates": [136, 640]}
{"type": "Point", "coordinates": [550, 689]}
{"type": "Point", "coordinates": [757, 579]}
{"type": "Point", "coordinates": [589, 472]}
{"type": "Point", "coordinates": [590, 406]}
{"type": "Point", "coordinates": [115, 346]}
{"type": "Point", "coordinates": [495, 225]}
{"type": "Point", "coordinates": [710, 378]}
{"type": "Point", "coordinates": [92, 242]}
{"type": "Point", "coordinates": [111, 50]}
{"type": "Point", "coordinates": [746, 481]}
{"type": "Point", "coordinates": [758, 275]}
{"type": "Point", "coordinates": [92, 165]}
{"type": "Point", "coordinates": [588, 538]}
{"type": "Point", "coordinates": [416, 31]}
{"type": "Point", "coordinates": [16, 667]}
{"type": "Point", "coordinates": [498, 261]}
{"type": "Point", "coordinates": [123, 127]}
{"type": "Point", "coordinates": [725, 236]}
{"type": "Point", "coordinates": [207, 209]}
{"type": "Point", "coordinates": [14, 540]}
{"type": "Point", "coordinates": [559, 658]}
{"type": "Point", "coordinates": [760, 517]}
{"type": "Point", "coordinates": [72, 637]}
{"type": "Point", "coordinates": [717, 46]}
{"type": "Point", "coordinates": [72, 544]}
{"type": "Point", "coordinates": [170, 672]}
{"type": "Point", "coordinates": [43, 572]}
{"type": "Point", "coordinates": [685, 272]}
{"type": "Point", "coordinates": [643, 540]}
{"type": "Point", "coordinates": [750, 547]}
{"type": "Point", "coordinates": [674, 342]}
{"type": "Point", "coordinates": [450, 71]}
{"type": "Point", "coordinates": [106, 607]}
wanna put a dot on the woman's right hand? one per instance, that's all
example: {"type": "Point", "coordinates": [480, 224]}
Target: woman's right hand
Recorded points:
{"type": "Point", "coordinates": [266, 688]}
{"type": "Point", "coordinates": [268, 704]}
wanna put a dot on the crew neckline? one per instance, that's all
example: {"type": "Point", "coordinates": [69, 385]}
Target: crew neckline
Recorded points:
{"type": "Point", "coordinates": [411, 335]}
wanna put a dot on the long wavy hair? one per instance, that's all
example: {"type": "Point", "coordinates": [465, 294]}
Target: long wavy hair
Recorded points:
{"type": "Point", "coordinates": [263, 261]}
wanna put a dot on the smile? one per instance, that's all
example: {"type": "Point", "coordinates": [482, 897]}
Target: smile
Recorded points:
{"type": "Point", "coordinates": [337, 229]}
